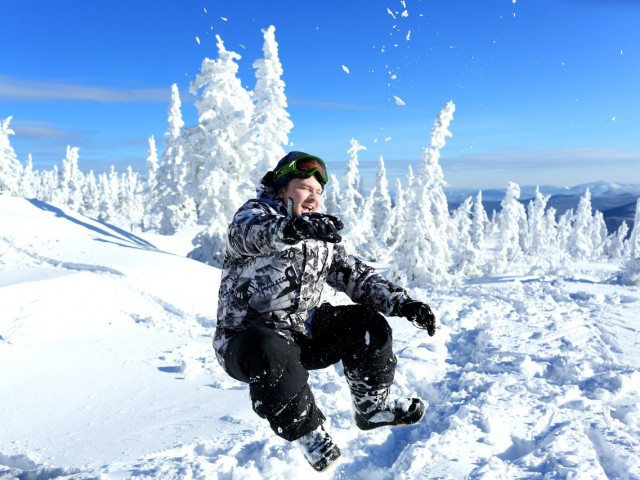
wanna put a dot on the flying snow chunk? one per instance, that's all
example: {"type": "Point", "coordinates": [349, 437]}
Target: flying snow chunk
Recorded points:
{"type": "Point", "coordinates": [388, 139]}
{"type": "Point", "coordinates": [390, 13]}
{"type": "Point", "coordinates": [345, 69]}
{"type": "Point", "coordinates": [224, 19]}
{"type": "Point", "coordinates": [399, 101]}
{"type": "Point", "coordinates": [198, 40]}
{"type": "Point", "coordinates": [408, 35]}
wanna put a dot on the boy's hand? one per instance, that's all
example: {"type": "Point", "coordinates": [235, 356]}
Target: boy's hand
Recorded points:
{"type": "Point", "coordinates": [420, 315]}
{"type": "Point", "coordinates": [311, 225]}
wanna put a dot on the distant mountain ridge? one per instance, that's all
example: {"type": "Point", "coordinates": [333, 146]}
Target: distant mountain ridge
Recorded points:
{"type": "Point", "coordinates": [616, 201]}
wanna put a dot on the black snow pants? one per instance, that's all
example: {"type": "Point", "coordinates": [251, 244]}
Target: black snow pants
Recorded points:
{"type": "Point", "coordinates": [276, 368]}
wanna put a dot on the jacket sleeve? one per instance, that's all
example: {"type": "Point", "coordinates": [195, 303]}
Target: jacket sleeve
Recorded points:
{"type": "Point", "coordinates": [363, 284]}
{"type": "Point", "coordinates": [255, 230]}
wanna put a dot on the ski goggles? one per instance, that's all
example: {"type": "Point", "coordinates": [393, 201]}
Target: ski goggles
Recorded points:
{"type": "Point", "coordinates": [304, 167]}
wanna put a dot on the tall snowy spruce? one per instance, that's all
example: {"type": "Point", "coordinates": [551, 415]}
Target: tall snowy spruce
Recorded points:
{"type": "Point", "coordinates": [581, 241]}
{"type": "Point", "coordinates": [421, 255]}
{"type": "Point", "coordinates": [174, 207]}
{"type": "Point", "coordinates": [382, 204]}
{"type": "Point", "coordinates": [150, 218]}
{"type": "Point", "coordinates": [270, 124]}
{"type": "Point", "coordinates": [216, 149]}
{"type": "Point", "coordinates": [512, 224]}
{"type": "Point", "coordinates": [10, 167]}
{"type": "Point", "coordinates": [70, 181]}
{"type": "Point", "coordinates": [239, 138]}
{"type": "Point", "coordinates": [355, 212]}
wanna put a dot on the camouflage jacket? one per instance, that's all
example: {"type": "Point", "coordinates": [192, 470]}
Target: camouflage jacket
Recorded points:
{"type": "Point", "coordinates": [266, 281]}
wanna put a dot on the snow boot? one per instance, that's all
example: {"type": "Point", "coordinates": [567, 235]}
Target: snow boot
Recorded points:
{"type": "Point", "coordinates": [376, 408]}
{"type": "Point", "coordinates": [318, 448]}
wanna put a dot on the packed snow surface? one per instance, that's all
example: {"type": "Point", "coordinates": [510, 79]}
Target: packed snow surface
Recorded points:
{"type": "Point", "coordinates": [107, 370]}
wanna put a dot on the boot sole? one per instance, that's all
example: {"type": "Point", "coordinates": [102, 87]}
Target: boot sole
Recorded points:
{"type": "Point", "coordinates": [365, 425]}
{"type": "Point", "coordinates": [324, 466]}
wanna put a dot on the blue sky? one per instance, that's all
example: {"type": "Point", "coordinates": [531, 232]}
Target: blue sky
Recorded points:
{"type": "Point", "coordinates": [546, 91]}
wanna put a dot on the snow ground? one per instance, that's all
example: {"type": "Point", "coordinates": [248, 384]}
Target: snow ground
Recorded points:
{"type": "Point", "coordinates": [106, 371]}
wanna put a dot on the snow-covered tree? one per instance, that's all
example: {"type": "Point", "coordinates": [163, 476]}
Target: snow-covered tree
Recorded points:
{"type": "Point", "coordinates": [352, 199]}
{"type": "Point", "coordinates": [108, 198]}
{"type": "Point", "coordinates": [634, 239]}
{"type": "Point", "coordinates": [48, 184]}
{"type": "Point", "coordinates": [270, 124]}
{"type": "Point", "coordinates": [404, 196]}
{"type": "Point", "coordinates": [479, 222]}
{"type": "Point", "coordinates": [215, 149]}
{"type": "Point", "coordinates": [511, 226]}
{"type": "Point", "coordinates": [581, 244]}
{"type": "Point", "coordinates": [151, 216]}
{"type": "Point", "coordinates": [71, 180]}
{"type": "Point", "coordinates": [537, 236]}
{"type": "Point", "coordinates": [631, 271]}
{"type": "Point", "coordinates": [600, 234]}
{"type": "Point", "coordinates": [177, 208]}
{"type": "Point", "coordinates": [130, 196]}
{"type": "Point", "coordinates": [10, 167]}
{"type": "Point", "coordinates": [616, 247]}
{"type": "Point", "coordinates": [381, 204]}
{"type": "Point", "coordinates": [467, 260]}
{"type": "Point", "coordinates": [421, 253]}
{"type": "Point", "coordinates": [173, 205]}
{"type": "Point", "coordinates": [28, 180]}
{"type": "Point", "coordinates": [90, 195]}
{"type": "Point", "coordinates": [152, 164]}
{"type": "Point", "coordinates": [331, 195]}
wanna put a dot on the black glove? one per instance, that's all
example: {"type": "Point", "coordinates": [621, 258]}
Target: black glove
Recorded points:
{"type": "Point", "coordinates": [420, 315]}
{"type": "Point", "coordinates": [311, 225]}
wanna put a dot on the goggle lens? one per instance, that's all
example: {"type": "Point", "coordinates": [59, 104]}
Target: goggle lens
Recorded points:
{"type": "Point", "coordinates": [303, 168]}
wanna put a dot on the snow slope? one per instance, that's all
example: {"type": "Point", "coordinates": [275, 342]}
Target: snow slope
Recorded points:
{"type": "Point", "coordinates": [106, 371]}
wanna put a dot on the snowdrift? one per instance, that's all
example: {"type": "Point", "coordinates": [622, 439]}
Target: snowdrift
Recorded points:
{"type": "Point", "coordinates": [107, 371]}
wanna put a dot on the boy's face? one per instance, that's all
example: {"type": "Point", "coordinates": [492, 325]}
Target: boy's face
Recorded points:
{"type": "Point", "coordinates": [306, 194]}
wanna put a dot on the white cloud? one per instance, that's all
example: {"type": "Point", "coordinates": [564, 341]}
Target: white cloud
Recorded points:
{"type": "Point", "coordinates": [19, 89]}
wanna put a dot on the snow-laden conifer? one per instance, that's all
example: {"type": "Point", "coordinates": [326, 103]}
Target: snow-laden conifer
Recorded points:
{"type": "Point", "coordinates": [108, 197]}
{"type": "Point", "coordinates": [214, 149]}
{"type": "Point", "coordinates": [467, 259]}
{"type": "Point", "coordinates": [511, 226]}
{"type": "Point", "coordinates": [28, 180]}
{"type": "Point", "coordinates": [421, 254]}
{"type": "Point", "coordinates": [331, 195]}
{"type": "Point", "coordinates": [631, 271]}
{"type": "Point", "coordinates": [634, 239]}
{"type": "Point", "coordinates": [10, 167]}
{"type": "Point", "coordinates": [270, 124]}
{"type": "Point", "coordinates": [479, 220]}
{"type": "Point", "coordinates": [381, 204]}
{"type": "Point", "coordinates": [131, 208]}
{"type": "Point", "coordinates": [538, 238]}
{"type": "Point", "coordinates": [47, 185]}
{"type": "Point", "coordinates": [617, 246]}
{"type": "Point", "coordinates": [151, 217]}
{"type": "Point", "coordinates": [352, 199]}
{"type": "Point", "coordinates": [90, 196]}
{"type": "Point", "coordinates": [175, 184]}
{"type": "Point", "coordinates": [581, 240]}
{"type": "Point", "coordinates": [70, 181]}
